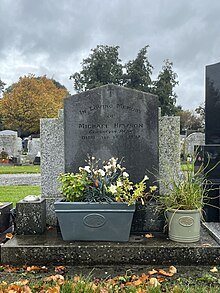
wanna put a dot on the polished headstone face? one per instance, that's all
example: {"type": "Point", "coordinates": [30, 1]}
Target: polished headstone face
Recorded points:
{"type": "Point", "coordinates": [112, 121]}
{"type": "Point", "coordinates": [212, 135]}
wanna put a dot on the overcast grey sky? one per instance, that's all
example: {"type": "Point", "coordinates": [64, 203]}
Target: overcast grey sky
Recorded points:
{"type": "Point", "coordinates": [53, 36]}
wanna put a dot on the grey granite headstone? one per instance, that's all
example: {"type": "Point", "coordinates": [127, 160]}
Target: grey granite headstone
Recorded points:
{"type": "Point", "coordinates": [112, 121]}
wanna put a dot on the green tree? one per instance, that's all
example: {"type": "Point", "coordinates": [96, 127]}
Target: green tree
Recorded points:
{"type": "Point", "coordinates": [164, 88]}
{"type": "Point", "coordinates": [138, 72]}
{"type": "Point", "coordinates": [2, 85]}
{"type": "Point", "coordinates": [101, 67]}
{"type": "Point", "coordinates": [201, 111]}
{"type": "Point", "coordinates": [189, 120]}
{"type": "Point", "coordinates": [28, 100]}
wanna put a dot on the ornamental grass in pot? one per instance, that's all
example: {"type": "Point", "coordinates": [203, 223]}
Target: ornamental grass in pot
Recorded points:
{"type": "Point", "coordinates": [98, 202]}
{"type": "Point", "coordinates": [186, 194]}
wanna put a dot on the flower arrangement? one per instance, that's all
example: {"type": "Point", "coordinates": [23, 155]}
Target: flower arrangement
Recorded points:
{"type": "Point", "coordinates": [108, 183]}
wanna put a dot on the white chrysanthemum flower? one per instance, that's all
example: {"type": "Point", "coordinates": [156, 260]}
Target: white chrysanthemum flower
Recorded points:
{"type": "Point", "coordinates": [119, 184]}
{"type": "Point", "coordinates": [113, 188]}
{"type": "Point", "coordinates": [125, 174]}
{"type": "Point", "coordinates": [87, 169]}
{"type": "Point", "coordinates": [107, 168]}
{"type": "Point", "coordinates": [101, 172]}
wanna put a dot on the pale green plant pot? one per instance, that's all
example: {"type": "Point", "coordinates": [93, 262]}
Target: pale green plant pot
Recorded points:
{"type": "Point", "coordinates": [184, 225]}
{"type": "Point", "coordinates": [83, 221]}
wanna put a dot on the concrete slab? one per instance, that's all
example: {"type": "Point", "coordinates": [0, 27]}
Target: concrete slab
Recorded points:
{"type": "Point", "coordinates": [214, 230]}
{"type": "Point", "coordinates": [49, 248]}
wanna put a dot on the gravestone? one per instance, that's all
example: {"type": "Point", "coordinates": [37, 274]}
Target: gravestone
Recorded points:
{"type": "Point", "coordinates": [52, 148]}
{"type": "Point", "coordinates": [212, 137]}
{"type": "Point", "coordinates": [112, 121]}
{"type": "Point", "coordinates": [212, 104]}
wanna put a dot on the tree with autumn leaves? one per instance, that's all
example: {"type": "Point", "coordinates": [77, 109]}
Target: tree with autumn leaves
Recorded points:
{"type": "Point", "coordinates": [28, 100]}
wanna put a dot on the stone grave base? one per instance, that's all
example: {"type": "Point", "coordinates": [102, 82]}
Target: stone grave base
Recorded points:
{"type": "Point", "coordinates": [49, 248]}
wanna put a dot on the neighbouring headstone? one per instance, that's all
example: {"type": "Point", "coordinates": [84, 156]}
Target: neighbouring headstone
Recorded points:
{"type": "Point", "coordinates": [194, 139]}
{"type": "Point", "coordinates": [112, 121]}
{"type": "Point", "coordinates": [212, 138]}
{"type": "Point", "coordinates": [212, 104]}
{"type": "Point", "coordinates": [5, 218]}
{"type": "Point", "coordinates": [10, 142]}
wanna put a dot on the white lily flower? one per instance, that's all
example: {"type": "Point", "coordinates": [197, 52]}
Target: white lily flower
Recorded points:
{"type": "Point", "coordinates": [125, 174]}
{"type": "Point", "coordinates": [113, 188]}
{"type": "Point", "coordinates": [101, 172]}
{"type": "Point", "coordinates": [87, 169]}
{"type": "Point", "coordinates": [119, 184]}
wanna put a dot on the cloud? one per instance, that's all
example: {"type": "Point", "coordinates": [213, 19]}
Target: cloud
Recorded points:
{"type": "Point", "coordinates": [52, 37]}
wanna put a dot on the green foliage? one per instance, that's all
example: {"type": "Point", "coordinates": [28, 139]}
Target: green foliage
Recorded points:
{"type": "Point", "coordinates": [106, 184]}
{"type": "Point", "coordinates": [189, 120]}
{"type": "Point", "coordinates": [2, 85]}
{"type": "Point", "coordinates": [101, 67]}
{"type": "Point", "coordinates": [25, 102]}
{"type": "Point", "coordinates": [163, 87]}
{"type": "Point", "coordinates": [138, 72]}
{"type": "Point", "coordinates": [3, 155]}
{"type": "Point", "coordinates": [73, 186]}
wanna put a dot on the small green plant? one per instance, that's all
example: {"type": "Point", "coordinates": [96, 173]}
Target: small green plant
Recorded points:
{"type": "Point", "coordinates": [187, 190]}
{"type": "Point", "coordinates": [106, 183]}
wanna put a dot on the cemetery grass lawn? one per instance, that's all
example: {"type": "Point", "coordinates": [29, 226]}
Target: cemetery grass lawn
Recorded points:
{"type": "Point", "coordinates": [19, 169]}
{"type": "Point", "coordinates": [16, 193]}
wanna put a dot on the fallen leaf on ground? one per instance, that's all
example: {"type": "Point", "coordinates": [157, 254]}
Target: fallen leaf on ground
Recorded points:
{"type": "Point", "coordinates": [9, 236]}
{"type": "Point", "coordinates": [137, 282]}
{"type": "Point", "coordinates": [60, 269]}
{"type": "Point", "coordinates": [164, 273]}
{"type": "Point", "coordinates": [149, 235]}
{"type": "Point", "coordinates": [55, 278]}
{"type": "Point", "coordinates": [152, 272]}
{"type": "Point", "coordinates": [36, 268]}
{"type": "Point", "coordinates": [172, 270]}
{"type": "Point", "coordinates": [53, 290]}
{"type": "Point", "coordinates": [22, 283]}
{"type": "Point", "coordinates": [214, 270]}
{"type": "Point", "coordinates": [154, 282]}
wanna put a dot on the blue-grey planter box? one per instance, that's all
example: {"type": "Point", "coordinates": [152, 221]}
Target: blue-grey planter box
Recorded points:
{"type": "Point", "coordinates": [94, 221]}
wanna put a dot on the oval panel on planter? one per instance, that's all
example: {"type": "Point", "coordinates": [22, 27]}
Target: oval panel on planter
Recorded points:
{"type": "Point", "coordinates": [94, 220]}
{"type": "Point", "coordinates": [186, 221]}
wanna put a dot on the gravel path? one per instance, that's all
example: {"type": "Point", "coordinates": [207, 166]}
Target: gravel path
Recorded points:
{"type": "Point", "coordinates": [20, 179]}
